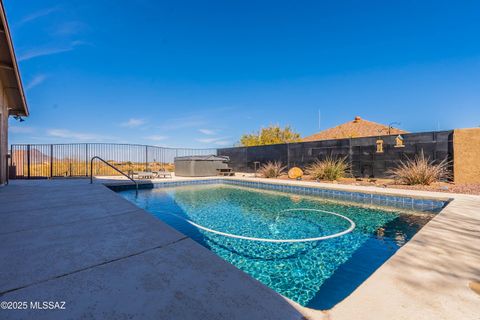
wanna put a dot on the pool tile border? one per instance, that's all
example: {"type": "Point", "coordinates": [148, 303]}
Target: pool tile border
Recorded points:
{"type": "Point", "coordinates": [401, 202]}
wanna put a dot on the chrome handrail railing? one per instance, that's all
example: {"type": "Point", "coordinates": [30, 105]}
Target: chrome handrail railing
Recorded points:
{"type": "Point", "coordinates": [111, 166]}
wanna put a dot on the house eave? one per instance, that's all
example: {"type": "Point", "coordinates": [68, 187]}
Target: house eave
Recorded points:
{"type": "Point", "coordinates": [13, 94]}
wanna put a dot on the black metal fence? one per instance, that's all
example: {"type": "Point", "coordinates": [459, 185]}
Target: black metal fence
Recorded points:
{"type": "Point", "coordinates": [31, 161]}
{"type": "Point", "coordinates": [361, 152]}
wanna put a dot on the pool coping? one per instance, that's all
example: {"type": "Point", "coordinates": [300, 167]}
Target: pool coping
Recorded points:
{"type": "Point", "coordinates": [429, 255]}
{"type": "Point", "coordinates": [353, 196]}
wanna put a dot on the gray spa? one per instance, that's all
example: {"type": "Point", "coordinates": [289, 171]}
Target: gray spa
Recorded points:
{"type": "Point", "coordinates": [200, 166]}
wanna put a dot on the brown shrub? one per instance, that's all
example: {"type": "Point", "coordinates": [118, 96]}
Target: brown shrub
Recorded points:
{"type": "Point", "coordinates": [272, 169]}
{"type": "Point", "coordinates": [420, 170]}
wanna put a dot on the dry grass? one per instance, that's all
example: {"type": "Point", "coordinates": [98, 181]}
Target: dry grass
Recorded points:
{"type": "Point", "coordinates": [420, 171]}
{"type": "Point", "coordinates": [330, 168]}
{"type": "Point", "coordinates": [72, 168]}
{"type": "Point", "coordinates": [272, 169]}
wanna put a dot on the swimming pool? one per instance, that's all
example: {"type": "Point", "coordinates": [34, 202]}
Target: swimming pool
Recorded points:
{"type": "Point", "coordinates": [273, 235]}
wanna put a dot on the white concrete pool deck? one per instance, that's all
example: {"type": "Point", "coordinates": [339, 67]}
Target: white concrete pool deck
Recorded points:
{"type": "Point", "coordinates": [67, 240]}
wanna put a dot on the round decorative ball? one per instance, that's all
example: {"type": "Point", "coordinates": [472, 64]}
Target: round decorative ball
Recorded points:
{"type": "Point", "coordinates": [295, 173]}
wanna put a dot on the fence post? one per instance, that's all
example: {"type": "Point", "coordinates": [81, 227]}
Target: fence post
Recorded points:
{"type": "Point", "coordinates": [7, 156]}
{"type": "Point", "coordinates": [51, 161]}
{"type": "Point", "coordinates": [28, 161]}
{"type": "Point", "coordinates": [350, 157]}
{"type": "Point", "coordinates": [11, 162]}
{"type": "Point", "coordinates": [288, 156]}
{"type": "Point", "coordinates": [86, 159]}
{"type": "Point", "coordinates": [146, 158]}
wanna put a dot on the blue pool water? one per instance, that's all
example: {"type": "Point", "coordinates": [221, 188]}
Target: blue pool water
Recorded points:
{"type": "Point", "coordinates": [316, 274]}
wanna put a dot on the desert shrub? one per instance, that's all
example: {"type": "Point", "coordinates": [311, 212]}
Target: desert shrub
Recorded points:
{"type": "Point", "coordinates": [272, 169]}
{"type": "Point", "coordinates": [420, 170]}
{"type": "Point", "coordinates": [330, 168]}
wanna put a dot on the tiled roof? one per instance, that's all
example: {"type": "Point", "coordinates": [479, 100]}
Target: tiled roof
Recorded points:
{"type": "Point", "coordinates": [354, 129]}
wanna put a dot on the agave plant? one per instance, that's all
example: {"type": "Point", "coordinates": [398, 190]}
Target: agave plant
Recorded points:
{"type": "Point", "coordinates": [420, 170]}
{"type": "Point", "coordinates": [330, 168]}
{"type": "Point", "coordinates": [272, 169]}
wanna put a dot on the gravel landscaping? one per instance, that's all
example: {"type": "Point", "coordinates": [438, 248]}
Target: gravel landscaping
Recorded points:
{"type": "Point", "coordinates": [473, 189]}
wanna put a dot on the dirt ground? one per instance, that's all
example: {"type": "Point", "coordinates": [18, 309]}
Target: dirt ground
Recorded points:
{"type": "Point", "coordinates": [389, 183]}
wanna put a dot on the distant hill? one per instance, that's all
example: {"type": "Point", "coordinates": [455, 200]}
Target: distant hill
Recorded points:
{"type": "Point", "coordinates": [19, 157]}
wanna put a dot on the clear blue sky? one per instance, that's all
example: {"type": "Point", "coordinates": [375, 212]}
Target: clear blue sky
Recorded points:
{"type": "Point", "coordinates": [201, 73]}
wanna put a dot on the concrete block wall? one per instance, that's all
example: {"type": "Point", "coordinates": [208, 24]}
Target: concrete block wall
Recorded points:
{"type": "Point", "coordinates": [361, 152]}
{"type": "Point", "coordinates": [466, 159]}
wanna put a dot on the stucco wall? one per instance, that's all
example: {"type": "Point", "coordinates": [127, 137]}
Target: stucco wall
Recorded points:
{"type": "Point", "coordinates": [3, 135]}
{"type": "Point", "coordinates": [466, 155]}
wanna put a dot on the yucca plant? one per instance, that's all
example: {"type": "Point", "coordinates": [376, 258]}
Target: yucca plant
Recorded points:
{"type": "Point", "coordinates": [420, 170]}
{"type": "Point", "coordinates": [272, 169]}
{"type": "Point", "coordinates": [330, 168]}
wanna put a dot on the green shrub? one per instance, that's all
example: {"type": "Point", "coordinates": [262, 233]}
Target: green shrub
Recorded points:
{"type": "Point", "coordinates": [331, 168]}
{"type": "Point", "coordinates": [272, 169]}
{"type": "Point", "coordinates": [270, 135]}
{"type": "Point", "coordinates": [420, 170]}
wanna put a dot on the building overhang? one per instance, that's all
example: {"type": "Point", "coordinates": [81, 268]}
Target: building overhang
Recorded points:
{"type": "Point", "coordinates": [12, 93]}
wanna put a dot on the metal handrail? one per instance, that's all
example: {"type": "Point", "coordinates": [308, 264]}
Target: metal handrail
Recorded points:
{"type": "Point", "coordinates": [111, 166]}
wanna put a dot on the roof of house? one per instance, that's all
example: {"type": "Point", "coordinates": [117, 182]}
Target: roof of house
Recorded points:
{"type": "Point", "coordinates": [354, 129]}
{"type": "Point", "coordinates": [9, 74]}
